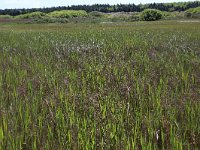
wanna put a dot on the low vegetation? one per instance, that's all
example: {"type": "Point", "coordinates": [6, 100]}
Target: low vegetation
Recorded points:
{"type": "Point", "coordinates": [151, 15]}
{"type": "Point", "coordinates": [118, 13]}
{"type": "Point", "coordinates": [96, 14]}
{"type": "Point", "coordinates": [106, 8]}
{"type": "Point", "coordinates": [106, 13]}
{"type": "Point", "coordinates": [34, 15]}
{"type": "Point", "coordinates": [68, 14]}
{"type": "Point", "coordinates": [6, 17]}
{"type": "Point", "coordinates": [108, 86]}
{"type": "Point", "coordinates": [193, 13]}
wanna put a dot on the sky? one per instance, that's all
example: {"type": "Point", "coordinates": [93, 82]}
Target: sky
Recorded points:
{"type": "Point", "coordinates": [50, 3]}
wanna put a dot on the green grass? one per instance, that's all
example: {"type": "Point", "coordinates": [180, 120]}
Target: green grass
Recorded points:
{"type": "Point", "coordinates": [107, 86]}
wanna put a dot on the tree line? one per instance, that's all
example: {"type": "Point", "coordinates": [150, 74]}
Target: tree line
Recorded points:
{"type": "Point", "coordinates": [106, 8]}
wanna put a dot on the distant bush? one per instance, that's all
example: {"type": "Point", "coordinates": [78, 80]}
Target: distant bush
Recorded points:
{"type": "Point", "coordinates": [34, 15]}
{"type": "Point", "coordinates": [5, 17]}
{"type": "Point", "coordinates": [151, 15]}
{"type": "Point", "coordinates": [193, 13]}
{"type": "Point", "coordinates": [194, 10]}
{"type": "Point", "coordinates": [173, 15]}
{"type": "Point", "coordinates": [115, 17]}
{"type": "Point", "coordinates": [122, 16]}
{"type": "Point", "coordinates": [96, 14]}
{"type": "Point", "coordinates": [135, 17]}
{"type": "Point", "coordinates": [68, 14]}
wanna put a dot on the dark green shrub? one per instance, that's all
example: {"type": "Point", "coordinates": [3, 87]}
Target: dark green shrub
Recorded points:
{"type": "Point", "coordinates": [151, 15]}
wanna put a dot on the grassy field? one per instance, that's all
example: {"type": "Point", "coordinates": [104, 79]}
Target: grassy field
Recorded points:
{"type": "Point", "coordinates": [100, 86]}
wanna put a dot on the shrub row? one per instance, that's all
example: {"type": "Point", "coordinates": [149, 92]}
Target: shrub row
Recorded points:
{"type": "Point", "coordinates": [64, 15]}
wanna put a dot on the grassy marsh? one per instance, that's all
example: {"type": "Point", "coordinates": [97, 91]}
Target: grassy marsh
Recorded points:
{"type": "Point", "coordinates": [100, 86]}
